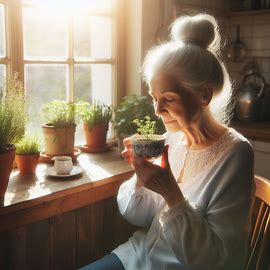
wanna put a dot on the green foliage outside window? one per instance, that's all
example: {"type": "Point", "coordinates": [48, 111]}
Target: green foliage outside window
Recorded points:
{"type": "Point", "coordinates": [134, 107]}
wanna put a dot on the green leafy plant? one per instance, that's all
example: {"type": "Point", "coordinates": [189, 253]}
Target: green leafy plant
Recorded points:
{"type": "Point", "coordinates": [27, 146]}
{"type": "Point", "coordinates": [145, 127]}
{"type": "Point", "coordinates": [134, 107]}
{"type": "Point", "coordinates": [94, 113]}
{"type": "Point", "coordinates": [12, 112]}
{"type": "Point", "coordinates": [60, 113]}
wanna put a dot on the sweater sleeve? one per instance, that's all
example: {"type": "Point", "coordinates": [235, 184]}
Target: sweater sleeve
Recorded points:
{"type": "Point", "coordinates": [216, 237]}
{"type": "Point", "coordinates": [138, 205]}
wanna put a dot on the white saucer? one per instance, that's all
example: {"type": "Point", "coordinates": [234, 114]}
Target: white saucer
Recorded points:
{"type": "Point", "coordinates": [75, 170]}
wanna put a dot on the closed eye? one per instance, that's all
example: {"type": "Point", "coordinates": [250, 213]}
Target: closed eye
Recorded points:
{"type": "Point", "coordinates": [155, 100]}
{"type": "Point", "coordinates": [169, 99]}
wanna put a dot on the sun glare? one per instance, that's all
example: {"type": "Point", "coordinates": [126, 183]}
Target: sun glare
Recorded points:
{"type": "Point", "coordinates": [96, 5]}
{"type": "Point", "coordinates": [62, 8]}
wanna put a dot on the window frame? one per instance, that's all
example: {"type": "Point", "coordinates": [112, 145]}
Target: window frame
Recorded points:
{"type": "Point", "coordinates": [7, 59]}
{"type": "Point", "coordinates": [15, 60]}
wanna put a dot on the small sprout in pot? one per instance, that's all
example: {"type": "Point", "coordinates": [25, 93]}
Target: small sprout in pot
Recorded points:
{"type": "Point", "coordinates": [145, 127]}
{"type": "Point", "coordinates": [146, 143]}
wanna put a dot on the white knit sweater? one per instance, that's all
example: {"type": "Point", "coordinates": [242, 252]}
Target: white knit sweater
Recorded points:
{"type": "Point", "coordinates": [209, 230]}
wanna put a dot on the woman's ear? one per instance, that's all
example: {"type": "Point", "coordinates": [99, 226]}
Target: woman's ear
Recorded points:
{"type": "Point", "coordinates": [206, 95]}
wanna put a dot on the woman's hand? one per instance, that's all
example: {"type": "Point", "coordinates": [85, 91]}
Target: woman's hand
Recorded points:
{"type": "Point", "coordinates": [127, 152]}
{"type": "Point", "coordinates": [128, 156]}
{"type": "Point", "coordinates": [159, 179]}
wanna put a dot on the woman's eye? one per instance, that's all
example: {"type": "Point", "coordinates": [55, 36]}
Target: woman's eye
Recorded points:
{"type": "Point", "coordinates": [169, 99]}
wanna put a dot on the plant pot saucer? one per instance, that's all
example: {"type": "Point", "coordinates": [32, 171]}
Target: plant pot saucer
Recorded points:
{"type": "Point", "coordinates": [93, 149]}
{"type": "Point", "coordinates": [48, 158]}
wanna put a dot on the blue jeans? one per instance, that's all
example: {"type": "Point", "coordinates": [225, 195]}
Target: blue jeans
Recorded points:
{"type": "Point", "coordinates": [108, 262]}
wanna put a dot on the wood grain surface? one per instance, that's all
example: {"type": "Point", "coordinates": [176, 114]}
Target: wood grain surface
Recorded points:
{"type": "Point", "coordinates": [31, 198]}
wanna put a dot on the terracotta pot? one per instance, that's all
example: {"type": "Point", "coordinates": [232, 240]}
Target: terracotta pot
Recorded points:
{"type": "Point", "coordinates": [96, 135]}
{"type": "Point", "coordinates": [6, 163]}
{"type": "Point", "coordinates": [27, 164]}
{"type": "Point", "coordinates": [59, 141]}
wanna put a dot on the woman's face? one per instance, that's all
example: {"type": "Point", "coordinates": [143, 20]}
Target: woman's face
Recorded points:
{"type": "Point", "coordinates": [178, 107]}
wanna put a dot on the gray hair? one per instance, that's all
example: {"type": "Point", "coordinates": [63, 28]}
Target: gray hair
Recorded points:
{"type": "Point", "coordinates": [192, 57]}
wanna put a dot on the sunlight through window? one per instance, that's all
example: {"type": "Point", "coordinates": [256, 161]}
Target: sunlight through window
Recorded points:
{"type": "Point", "coordinates": [68, 53]}
{"type": "Point", "coordinates": [3, 54]}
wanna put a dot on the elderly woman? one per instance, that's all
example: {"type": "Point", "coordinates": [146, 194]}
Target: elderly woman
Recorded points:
{"type": "Point", "coordinates": [194, 210]}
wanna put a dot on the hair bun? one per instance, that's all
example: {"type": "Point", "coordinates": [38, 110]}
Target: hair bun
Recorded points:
{"type": "Point", "coordinates": [200, 30]}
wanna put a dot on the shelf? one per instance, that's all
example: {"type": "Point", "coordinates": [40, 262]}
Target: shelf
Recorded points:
{"type": "Point", "coordinates": [253, 130]}
{"type": "Point", "coordinates": [257, 57]}
{"type": "Point", "coordinates": [247, 12]}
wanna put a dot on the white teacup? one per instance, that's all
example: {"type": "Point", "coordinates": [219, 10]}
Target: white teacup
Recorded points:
{"type": "Point", "coordinates": [62, 165]}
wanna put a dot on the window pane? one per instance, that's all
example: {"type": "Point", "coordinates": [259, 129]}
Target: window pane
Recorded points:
{"type": "Point", "coordinates": [93, 37]}
{"type": "Point", "coordinates": [92, 4]}
{"type": "Point", "coordinates": [93, 82]}
{"type": "Point", "coordinates": [45, 34]}
{"type": "Point", "coordinates": [2, 31]}
{"type": "Point", "coordinates": [2, 75]}
{"type": "Point", "coordinates": [42, 85]}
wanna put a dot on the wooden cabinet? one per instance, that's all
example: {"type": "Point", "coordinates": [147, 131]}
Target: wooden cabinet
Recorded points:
{"type": "Point", "coordinates": [247, 12]}
{"type": "Point", "coordinates": [262, 157]}
{"type": "Point", "coordinates": [51, 223]}
{"type": "Point", "coordinates": [66, 241]}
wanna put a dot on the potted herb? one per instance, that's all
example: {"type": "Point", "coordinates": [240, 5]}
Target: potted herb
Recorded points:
{"type": "Point", "coordinates": [146, 143]}
{"type": "Point", "coordinates": [96, 118]}
{"type": "Point", "coordinates": [27, 154]}
{"type": "Point", "coordinates": [12, 123]}
{"type": "Point", "coordinates": [133, 107]}
{"type": "Point", "coordinates": [59, 130]}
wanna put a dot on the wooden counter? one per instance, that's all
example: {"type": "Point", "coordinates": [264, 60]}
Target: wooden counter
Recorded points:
{"type": "Point", "coordinates": [32, 198]}
{"type": "Point", "coordinates": [253, 130]}
{"type": "Point", "coordinates": [63, 223]}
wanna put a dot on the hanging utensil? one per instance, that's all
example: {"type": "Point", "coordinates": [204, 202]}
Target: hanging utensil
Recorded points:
{"type": "Point", "coordinates": [237, 50]}
{"type": "Point", "coordinates": [162, 32]}
{"type": "Point", "coordinates": [249, 101]}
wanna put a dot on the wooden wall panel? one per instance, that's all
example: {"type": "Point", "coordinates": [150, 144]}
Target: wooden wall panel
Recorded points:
{"type": "Point", "coordinates": [13, 250]}
{"type": "Point", "coordinates": [16, 249]}
{"type": "Point", "coordinates": [108, 236]}
{"type": "Point", "coordinates": [26, 247]}
{"type": "Point", "coordinates": [37, 253]}
{"type": "Point", "coordinates": [63, 241]}
{"type": "Point", "coordinates": [89, 233]}
{"type": "Point", "coordinates": [66, 241]}
{"type": "Point", "coordinates": [4, 251]}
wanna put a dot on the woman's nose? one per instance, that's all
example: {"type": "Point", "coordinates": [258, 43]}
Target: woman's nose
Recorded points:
{"type": "Point", "coordinates": [159, 108]}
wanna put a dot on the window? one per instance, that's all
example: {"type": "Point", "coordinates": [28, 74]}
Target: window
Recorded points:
{"type": "Point", "coordinates": [3, 45]}
{"type": "Point", "coordinates": [67, 52]}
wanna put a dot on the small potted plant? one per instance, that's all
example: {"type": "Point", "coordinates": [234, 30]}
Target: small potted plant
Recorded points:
{"type": "Point", "coordinates": [27, 154]}
{"type": "Point", "coordinates": [145, 142]}
{"type": "Point", "coordinates": [59, 130]}
{"type": "Point", "coordinates": [12, 124]}
{"type": "Point", "coordinates": [96, 118]}
{"type": "Point", "coordinates": [133, 107]}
